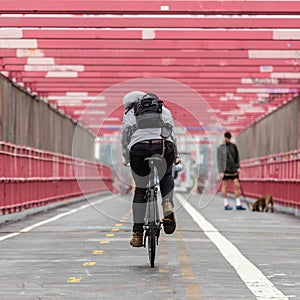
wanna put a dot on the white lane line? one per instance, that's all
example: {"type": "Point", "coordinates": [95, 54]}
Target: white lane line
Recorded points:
{"type": "Point", "coordinates": [254, 279]}
{"type": "Point", "coordinates": [59, 216]}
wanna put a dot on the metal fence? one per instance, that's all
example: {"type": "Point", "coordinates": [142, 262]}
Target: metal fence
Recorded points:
{"type": "Point", "coordinates": [28, 121]}
{"type": "Point", "coordinates": [278, 132]}
{"type": "Point", "coordinates": [30, 177]}
{"type": "Point", "coordinates": [278, 175]}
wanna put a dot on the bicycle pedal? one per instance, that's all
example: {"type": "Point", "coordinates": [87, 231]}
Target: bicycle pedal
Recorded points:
{"type": "Point", "coordinates": [167, 221]}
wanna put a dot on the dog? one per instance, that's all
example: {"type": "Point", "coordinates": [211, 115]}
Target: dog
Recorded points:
{"type": "Point", "coordinates": [263, 203]}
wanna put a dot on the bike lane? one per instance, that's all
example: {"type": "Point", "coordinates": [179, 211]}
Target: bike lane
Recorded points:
{"type": "Point", "coordinates": [85, 254]}
{"type": "Point", "coordinates": [82, 251]}
{"type": "Point", "coordinates": [247, 255]}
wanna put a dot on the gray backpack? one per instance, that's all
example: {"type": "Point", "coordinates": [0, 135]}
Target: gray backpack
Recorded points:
{"type": "Point", "coordinates": [148, 112]}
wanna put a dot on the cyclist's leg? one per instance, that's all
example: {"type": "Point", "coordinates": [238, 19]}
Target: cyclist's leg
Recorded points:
{"type": "Point", "coordinates": [167, 188]}
{"type": "Point", "coordinates": [139, 209]}
{"type": "Point", "coordinates": [140, 171]}
{"type": "Point", "coordinates": [166, 179]}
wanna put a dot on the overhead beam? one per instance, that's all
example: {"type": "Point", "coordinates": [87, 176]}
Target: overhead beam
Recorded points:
{"type": "Point", "coordinates": [154, 53]}
{"type": "Point", "coordinates": [163, 34]}
{"type": "Point", "coordinates": [149, 7]}
{"type": "Point", "coordinates": [124, 80]}
{"type": "Point", "coordinates": [151, 44]}
{"type": "Point", "coordinates": [123, 53]}
{"type": "Point", "coordinates": [207, 86]}
{"type": "Point", "coordinates": [152, 68]}
{"type": "Point", "coordinates": [241, 57]}
{"type": "Point", "coordinates": [135, 74]}
{"type": "Point", "coordinates": [124, 62]}
{"type": "Point", "coordinates": [108, 21]}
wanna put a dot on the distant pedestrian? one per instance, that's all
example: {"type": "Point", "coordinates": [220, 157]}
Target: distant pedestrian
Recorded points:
{"type": "Point", "coordinates": [229, 169]}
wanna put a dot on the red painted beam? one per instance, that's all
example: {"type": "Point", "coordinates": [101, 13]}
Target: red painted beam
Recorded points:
{"type": "Point", "coordinates": [153, 69]}
{"type": "Point", "coordinates": [161, 44]}
{"type": "Point", "coordinates": [151, 61]}
{"type": "Point", "coordinates": [149, 7]}
{"type": "Point", "coordinates": [149, 22]}
{"type": "Point", "coordinates": [164, 34]}
{"type": "Point", "coordinates": [192, 98]}
{"type": "Point", "coordinates": [113, 80]}
{"type": "Point", "coordinates": [214, 90]}
{"type": "Point", "coordinates": [215, 86]}
{"type": "Point", "coordinates": [132, 75]}
{"type": "Point", "coordinates": [109, 81]}
{"type": "Point", "coordinates": [98, 90]}
{"type": "Point", "coordinates": [169, 44]}
{"type": "Point", "coordinates": [107, 109]}
{"type": "Point", "coordinates": [208, 86]}
{"type": "Point", "coordinates": [126, 53]}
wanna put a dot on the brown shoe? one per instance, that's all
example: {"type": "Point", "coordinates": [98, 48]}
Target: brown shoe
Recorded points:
{"type": "Point", "coordinates": [169, 220]}
{"type": "Point", "coordinates": [137, 239]}
{"type": "Point", "coordinates": [167, 208]}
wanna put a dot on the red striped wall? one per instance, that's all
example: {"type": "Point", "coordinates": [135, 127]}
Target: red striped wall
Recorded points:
{"type": "Point", "coordinates": [31, 178]}
{"type": "Point", "coordinates": [278, 175]}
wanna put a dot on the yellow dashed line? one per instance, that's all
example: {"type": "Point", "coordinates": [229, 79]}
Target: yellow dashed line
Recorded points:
{"type": "Point", "coordinates": [190, 282]}
{"type": "Point", "coordinates": [115, 229]}
{"type": "Point", "coordinates": [118, 225]}
{"type": "Point", "coordinates": [104, 242]}
{"type": "Point", "coordinates": [163, 268]}
{"type": "Point", "coordinates": [74, 279]}
{"type": "Point", "coordinates": [110, 234]}
{"type": "Point", "coordinates": [89, 263]}
{"type": "Point", "coordinates": [160, 270]}
{"type": "Point", "coordinates": [98, 251]}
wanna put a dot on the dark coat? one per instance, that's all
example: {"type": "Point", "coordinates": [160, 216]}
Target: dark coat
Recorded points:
{"type": "Point", "coordinates": [228, 158]}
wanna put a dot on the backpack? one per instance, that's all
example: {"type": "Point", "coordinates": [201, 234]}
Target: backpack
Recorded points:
{"type": "Point", "coordinates": [148, 112]}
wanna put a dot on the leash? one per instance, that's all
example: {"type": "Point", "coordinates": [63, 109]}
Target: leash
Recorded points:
{"type": "Point", "coordinates": [243, 194]}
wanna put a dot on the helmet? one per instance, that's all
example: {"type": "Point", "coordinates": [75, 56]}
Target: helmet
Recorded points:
{"type": "Point", "coordinates": [131, 98]}
{"type": "Point", "coordinates": [150, 99]}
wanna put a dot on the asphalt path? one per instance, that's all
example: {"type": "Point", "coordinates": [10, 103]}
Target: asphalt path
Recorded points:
{"type": "Point", "coordinates": [82, 251]}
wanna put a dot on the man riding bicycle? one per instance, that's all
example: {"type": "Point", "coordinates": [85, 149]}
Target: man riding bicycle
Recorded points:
{"type": "Point", "coordinates": [138, 144]}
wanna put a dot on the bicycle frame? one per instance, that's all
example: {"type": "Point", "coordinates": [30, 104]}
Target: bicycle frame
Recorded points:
{"type": "Point", "coordinates": [152, 220]}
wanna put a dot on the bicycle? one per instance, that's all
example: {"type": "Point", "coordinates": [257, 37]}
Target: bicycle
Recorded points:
{"type": "Point", "coordinates": [152, 223]}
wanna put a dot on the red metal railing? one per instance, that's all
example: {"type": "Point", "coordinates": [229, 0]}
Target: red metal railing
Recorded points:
{"type": "Point", "coordinates": [278, 175]}
{"type": "Point", "coordinates": [31, 177]}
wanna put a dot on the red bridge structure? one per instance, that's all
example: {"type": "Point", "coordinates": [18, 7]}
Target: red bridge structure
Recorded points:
{"type": "Point", "coordinates": [219, 65]}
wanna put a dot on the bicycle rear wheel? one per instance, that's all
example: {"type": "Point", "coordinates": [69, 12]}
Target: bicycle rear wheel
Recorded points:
{"type": "Point", "coordinates": [152, 221]}
{"type": "Point", "coordinates": [151, 248]}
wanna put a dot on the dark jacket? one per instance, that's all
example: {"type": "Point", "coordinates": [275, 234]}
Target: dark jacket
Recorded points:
{"type": "Point", "coordinates": [228, 158]}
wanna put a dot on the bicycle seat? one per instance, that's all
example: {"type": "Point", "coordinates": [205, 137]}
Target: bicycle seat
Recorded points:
{"type": "Point", "coordinates": [154, 160]}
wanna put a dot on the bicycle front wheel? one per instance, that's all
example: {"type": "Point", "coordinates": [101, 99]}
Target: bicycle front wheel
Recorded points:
{"type": "Point", "coordinates": [151, 248]}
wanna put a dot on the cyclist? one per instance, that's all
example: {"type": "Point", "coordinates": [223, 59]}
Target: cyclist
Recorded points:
{"type": "Point", "coordinates": [138, 144]}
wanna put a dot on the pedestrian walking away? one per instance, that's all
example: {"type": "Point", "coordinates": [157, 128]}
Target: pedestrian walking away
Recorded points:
{"type": "Point", "coordinates": [229, 170]}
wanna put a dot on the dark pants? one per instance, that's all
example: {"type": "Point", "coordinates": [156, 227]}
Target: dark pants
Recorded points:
{"type": "Point", "coordinates": [140, 172]}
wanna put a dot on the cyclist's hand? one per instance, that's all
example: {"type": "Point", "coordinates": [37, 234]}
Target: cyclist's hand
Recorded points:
{"type": "Point", "coordinates": [177, 161]}
{"type": "Point", "coordinates": [125, 162]}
